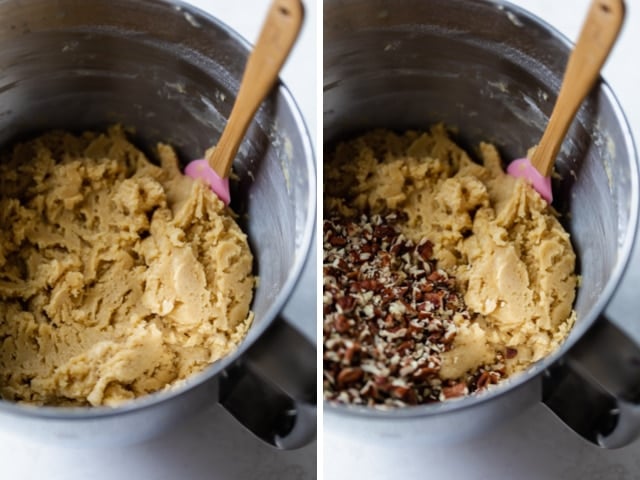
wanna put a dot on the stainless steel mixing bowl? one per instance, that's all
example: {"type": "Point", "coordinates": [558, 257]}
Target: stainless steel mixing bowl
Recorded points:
{"type": "Point", "coordinates": [493, 70]}
{"type": "Point", "coordinates": [172, 72]}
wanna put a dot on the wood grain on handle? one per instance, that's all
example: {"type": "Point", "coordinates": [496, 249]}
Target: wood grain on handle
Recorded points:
{"type": "Point", "coordinates": [596, 39]}
{"type": "Point", "coordinates": [276, 39]}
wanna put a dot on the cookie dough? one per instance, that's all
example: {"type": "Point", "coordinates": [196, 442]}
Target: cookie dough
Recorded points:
{"type": "Point", "coordinates": [511, 257]}
{"type": "Point", "coordinates": [118, 277]}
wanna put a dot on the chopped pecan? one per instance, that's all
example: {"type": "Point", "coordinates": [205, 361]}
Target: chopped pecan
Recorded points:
{"type": "Point", "coordinates": [425, 250]}
{"type": "Point", "coordinates": [351, 353]}
{"type": "Point", "coordinates": [483, 380]}
{"type": "Point", "coordinates": [346, 303]}
{"type": "Point", "coordinates": [337, 241]}
{"type": "Point", "coordinates": [425, 372]}
{"type": "Point", "coordinates": [341, 323]}
{"type": "Point", "coordinates": [510, 352]}
{"type": "Point", "coordinates": [349, 375]}
{"type": "Point", "coordinates": [436, 277]}
{"type": "Point", "coordinates": [456, 390]}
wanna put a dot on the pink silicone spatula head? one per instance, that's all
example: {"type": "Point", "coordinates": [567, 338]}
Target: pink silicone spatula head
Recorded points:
{"type": "Point", "coordinates": [599, 32]}
{"type": "Point", "coordinates": [522, 167]}
{"type": "Point", "coordinates": [275, 41]}
{"type": "Point", "coordinates": [219, 183]}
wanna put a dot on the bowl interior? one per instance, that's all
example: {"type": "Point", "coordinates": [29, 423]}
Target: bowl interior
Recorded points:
{"type": "Point", "coordinates": [172, 73]}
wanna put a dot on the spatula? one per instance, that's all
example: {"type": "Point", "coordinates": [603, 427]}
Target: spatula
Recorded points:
{"type": "Point", "coordinates": [599, 32]}
{"type": "Point", "coordinates": [276, 39]}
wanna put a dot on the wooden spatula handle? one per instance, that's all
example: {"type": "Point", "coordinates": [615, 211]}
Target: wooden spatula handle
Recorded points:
{"type": "Point", "coordinates": [276, 39]}
{"type": "Point", "coordinates": [599, 33]}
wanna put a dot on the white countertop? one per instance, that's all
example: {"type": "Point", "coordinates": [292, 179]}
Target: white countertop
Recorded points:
{"type": "Point", "coordinates": [212, 445]}
{"type": "Point", "coordinates": [534, 446]}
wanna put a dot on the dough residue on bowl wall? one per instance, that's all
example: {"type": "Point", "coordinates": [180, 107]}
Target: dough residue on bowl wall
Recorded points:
{"type": "Point", "coordinates": [118, 277]}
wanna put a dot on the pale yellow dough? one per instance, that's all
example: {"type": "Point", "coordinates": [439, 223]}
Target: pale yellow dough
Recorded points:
{"type": "Point", "coordinates": [117, 277]}
{"type": "Point", "coordinates": [505, 245]}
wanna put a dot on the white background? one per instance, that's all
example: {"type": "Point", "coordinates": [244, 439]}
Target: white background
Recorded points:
{"type": "Point", "coordinates": [211, 445]}
{"type": "Point", "coordinates": [535, 446]}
